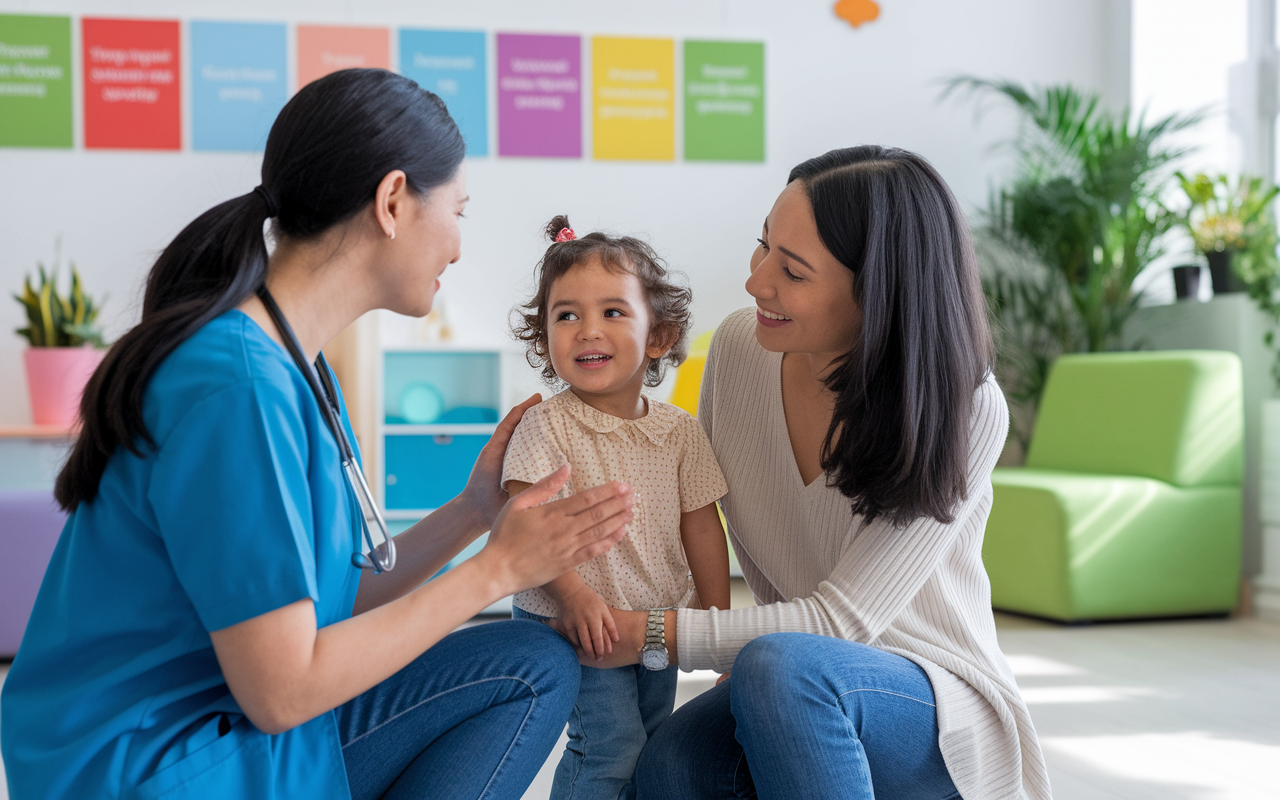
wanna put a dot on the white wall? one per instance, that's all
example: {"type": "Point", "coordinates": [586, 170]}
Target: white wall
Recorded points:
{"type": "Point", "coordinates": [1180, 61]}
{"type": "Point", "coordinates": [829, 85]}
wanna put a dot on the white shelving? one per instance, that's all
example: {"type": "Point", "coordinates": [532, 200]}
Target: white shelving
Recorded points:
{"type": "Point", "coordinates": [422, 463]}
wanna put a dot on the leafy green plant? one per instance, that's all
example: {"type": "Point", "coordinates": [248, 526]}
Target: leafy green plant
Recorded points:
{"type": "Point", "coordinates": [1227, 215]}
{"type": "Point", "coordinates": [54, 320]}
{"type": "Point", "coordinates": [1081, 218]}
{"type": "Point", "coordinates": [1238, 216]}
{"type": "Point", "coordinates": [1264, 289]}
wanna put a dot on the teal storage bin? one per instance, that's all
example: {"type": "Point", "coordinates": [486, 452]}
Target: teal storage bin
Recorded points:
{"type": "Point", "coordinates": [425, 472]}
{"type": "Point", "coordinates": [465, 379]}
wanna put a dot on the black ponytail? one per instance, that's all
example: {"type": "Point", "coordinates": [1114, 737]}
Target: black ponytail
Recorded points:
{"type": "Point", "coordinates": [326, 154]}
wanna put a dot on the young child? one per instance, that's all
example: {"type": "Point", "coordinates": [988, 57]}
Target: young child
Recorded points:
{"type": "Point", "coordinates": [606, 320]}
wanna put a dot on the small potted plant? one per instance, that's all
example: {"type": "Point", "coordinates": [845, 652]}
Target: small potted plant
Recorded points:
{"type": "Point", "coordinates": [65, 346]}
{"type": "Point", "coordinates": [1232, 225]}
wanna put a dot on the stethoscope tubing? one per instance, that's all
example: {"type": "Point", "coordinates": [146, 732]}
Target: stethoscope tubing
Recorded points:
{"type": "Point", "coordinates": [321, 384]}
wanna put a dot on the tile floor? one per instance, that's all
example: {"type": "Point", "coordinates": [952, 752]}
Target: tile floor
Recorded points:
{"type": "Point", "coordinates": [1186, 710]}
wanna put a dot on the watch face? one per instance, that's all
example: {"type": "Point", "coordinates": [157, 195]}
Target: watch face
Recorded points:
{"type": "Point", "coordinates": [654, 659]}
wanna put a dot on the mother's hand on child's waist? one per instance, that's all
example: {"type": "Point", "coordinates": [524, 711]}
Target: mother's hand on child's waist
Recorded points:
{"type": "Point", "coordinates": [631, 630]}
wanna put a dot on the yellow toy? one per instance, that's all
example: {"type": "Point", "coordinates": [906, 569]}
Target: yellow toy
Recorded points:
{"type": "Point", "coordinates": [689, 375]}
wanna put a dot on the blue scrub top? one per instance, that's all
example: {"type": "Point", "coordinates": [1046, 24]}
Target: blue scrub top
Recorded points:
{"type": "Point", "coordinates": [241, 509]}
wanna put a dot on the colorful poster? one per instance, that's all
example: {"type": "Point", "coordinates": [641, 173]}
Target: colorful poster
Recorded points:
{"type": "Point", "coordinates": [35, 81]}
{"type": "Point", "coordinates": [723, 101]}
{"type": "Point", "coordinates": [323, 49]}
{"type": "Point", "coordinates": [132, 95]}
{"type": "Point", "coordinates": [238, 84]}
{"type": "Point", "coordinates": [539, 95]}
{"type": "Point", "coordinates": [634, 84]}
{"type": "Point", "coordinates": [452, 64]}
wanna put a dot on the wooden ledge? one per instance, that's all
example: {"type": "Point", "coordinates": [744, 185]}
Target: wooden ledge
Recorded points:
{"type": "Point", "coordinates": [36, 432]}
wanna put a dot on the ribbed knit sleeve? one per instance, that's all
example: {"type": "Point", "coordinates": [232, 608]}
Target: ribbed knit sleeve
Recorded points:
{"type": "Point", "coordinates": [880, 572]}
{"type": "Point", "coordinates": [813, 566]}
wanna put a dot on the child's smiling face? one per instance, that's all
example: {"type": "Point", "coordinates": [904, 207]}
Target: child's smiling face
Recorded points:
{"type": "Point", "coordinates": [599, 336]}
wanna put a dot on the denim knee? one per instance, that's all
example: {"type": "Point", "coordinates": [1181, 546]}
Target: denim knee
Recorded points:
{"type": "Point", "coordinates": [772, 675]}
{"type": "Point", "coordinates": [772, 660]}
{"type": "Point", "coordinates": [553, 667]}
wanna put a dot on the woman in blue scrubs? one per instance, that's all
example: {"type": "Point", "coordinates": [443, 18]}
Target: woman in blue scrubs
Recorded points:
{"type": "Point", "coordinates": [202, 630]}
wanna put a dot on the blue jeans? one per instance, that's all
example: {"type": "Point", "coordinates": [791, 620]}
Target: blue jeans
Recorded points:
{"type": "Point", "coordinates": [473, 717]}
{"type": "Point", "coordinates": [803, 716]}
{"type": "Point", "coordinates": [615, 713]}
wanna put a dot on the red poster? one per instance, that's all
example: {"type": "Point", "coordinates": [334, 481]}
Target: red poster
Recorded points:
{"type": "Point", "coordinates": [132, 91]}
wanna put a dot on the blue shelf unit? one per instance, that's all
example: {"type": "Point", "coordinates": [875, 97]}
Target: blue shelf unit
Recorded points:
{"type": "Point", "coordinates": [439, 407]}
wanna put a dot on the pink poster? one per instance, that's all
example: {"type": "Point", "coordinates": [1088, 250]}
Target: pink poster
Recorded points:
{"type": "Point", "coordinates": [539, 95]}
{"type": "Point", "coordinates": [324, 48]}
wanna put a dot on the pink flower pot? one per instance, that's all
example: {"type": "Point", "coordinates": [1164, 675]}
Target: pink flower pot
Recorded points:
{"type": "Point", "coordinates": [56, 377]}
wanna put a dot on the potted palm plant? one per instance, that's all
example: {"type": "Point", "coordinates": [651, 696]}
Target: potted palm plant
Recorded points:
{"type": "Point", "coordinates": [65, 346]}
{"type": "Point", "coordinates": [1063, 241]}
{"type": "Point", "coordinates": [1232, 225]}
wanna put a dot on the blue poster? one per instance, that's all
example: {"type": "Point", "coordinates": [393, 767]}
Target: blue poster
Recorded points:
{"type": "Point", "coordinates": [238, 84]}
{"type": "Point", "coordinates": [452, 64]}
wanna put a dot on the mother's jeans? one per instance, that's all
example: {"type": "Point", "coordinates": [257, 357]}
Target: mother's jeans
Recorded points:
{"type": "Point", "coordinates": [473, 717]}
{"type": "Point", "coordinates": [803, 716]}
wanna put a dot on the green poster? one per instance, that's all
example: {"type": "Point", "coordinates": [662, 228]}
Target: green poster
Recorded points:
{"type": "Point", "coordinates": [723, 101]}
{"type": "Point", "coordinates": [35, 81]}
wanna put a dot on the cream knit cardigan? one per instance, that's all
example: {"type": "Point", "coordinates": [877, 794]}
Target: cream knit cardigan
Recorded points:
{"type": "Point", "coordinates": [920, 592]}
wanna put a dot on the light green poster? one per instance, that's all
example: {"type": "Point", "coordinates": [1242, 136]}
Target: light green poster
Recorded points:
{"type": "Point", "coordinates": [723, 101]}
{"type": "Point", "coordinates": [35, 81]}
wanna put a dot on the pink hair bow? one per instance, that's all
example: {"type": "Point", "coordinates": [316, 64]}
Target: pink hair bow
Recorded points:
{"type": "Point", "coordinates": [566, 235]}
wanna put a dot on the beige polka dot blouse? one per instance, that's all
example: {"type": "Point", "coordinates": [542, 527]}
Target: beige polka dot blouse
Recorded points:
{"type": "Point", "coordinates": [666, 458]}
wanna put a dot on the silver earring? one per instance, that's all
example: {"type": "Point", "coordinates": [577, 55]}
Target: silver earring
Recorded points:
{"type": "Point", "coordinates": [393, 235]}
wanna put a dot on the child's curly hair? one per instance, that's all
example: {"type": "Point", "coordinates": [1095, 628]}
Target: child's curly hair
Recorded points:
{"type": "Point", "coordinates": [668, 302]}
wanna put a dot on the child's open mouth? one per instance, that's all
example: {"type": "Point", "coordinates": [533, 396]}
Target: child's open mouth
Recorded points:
{"type": "Point", "coordinates": [593, 360]}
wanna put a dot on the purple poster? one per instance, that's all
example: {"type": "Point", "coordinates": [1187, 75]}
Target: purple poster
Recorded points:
{"type": "Point", "coordinates": [539, 95]}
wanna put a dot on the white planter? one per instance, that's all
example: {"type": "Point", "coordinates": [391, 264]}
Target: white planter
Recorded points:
{"type": "Point", "coordinates": [1267, 584]}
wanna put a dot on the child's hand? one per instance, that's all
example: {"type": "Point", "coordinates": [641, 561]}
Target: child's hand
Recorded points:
{"type": "Point", "coordinates": [587, 622]}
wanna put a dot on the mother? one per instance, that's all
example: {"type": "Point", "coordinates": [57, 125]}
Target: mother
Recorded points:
{"type": "Point", "coordinates": [204, 629]}
{"type": "Point", "coordinates": [857, 422]}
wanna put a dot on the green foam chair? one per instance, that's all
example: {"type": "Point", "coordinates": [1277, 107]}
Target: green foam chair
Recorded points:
{"type": "Point", "coordinates": [1129, 505]}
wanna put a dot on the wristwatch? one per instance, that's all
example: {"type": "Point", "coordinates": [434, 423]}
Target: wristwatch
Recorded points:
{"type": "Point", "coordinates": [654, 653]}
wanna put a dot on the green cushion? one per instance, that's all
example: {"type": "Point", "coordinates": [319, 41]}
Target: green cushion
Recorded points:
{"type": "Point", "coordinates": [1081, 547]}
{"type": "Point", "coordinates": [1174, 415]}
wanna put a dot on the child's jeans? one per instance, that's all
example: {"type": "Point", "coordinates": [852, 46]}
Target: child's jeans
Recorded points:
{"type": "Point", "coordinates": [616, 711]}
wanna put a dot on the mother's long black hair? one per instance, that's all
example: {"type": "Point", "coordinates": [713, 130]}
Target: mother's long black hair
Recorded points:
{"type": "Point", "coordinates": [898, 445]}
{"type": "Point", "coordinates": [328, 150]}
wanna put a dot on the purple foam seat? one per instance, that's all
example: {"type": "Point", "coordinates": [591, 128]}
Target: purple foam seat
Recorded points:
{"type": "Point", "coordinates": [30, 522]}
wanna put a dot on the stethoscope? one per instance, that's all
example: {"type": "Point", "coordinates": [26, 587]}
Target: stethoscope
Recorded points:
{"type": "Point", "coordinates": [381, 557]}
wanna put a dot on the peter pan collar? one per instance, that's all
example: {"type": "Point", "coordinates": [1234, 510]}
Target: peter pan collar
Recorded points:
{"type": "Point", "coordinates": [656, 424]}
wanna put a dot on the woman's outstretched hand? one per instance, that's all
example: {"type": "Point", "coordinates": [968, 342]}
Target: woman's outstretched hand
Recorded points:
{"type": "Point", "coordinates": [484, 494]}
{"type": "Point", "coordinates": [532, 543]}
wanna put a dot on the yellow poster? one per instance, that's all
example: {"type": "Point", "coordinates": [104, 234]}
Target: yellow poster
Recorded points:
{"type": "Point", "coordinates": [633, 116]}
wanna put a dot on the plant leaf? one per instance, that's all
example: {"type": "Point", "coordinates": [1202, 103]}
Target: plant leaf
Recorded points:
{"type": "Point", "coordinates": [48, 330]}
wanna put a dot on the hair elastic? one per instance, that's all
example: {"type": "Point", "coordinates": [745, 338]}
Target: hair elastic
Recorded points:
{"type": "Point", "coordinates": [272, 209]}
{"type": "Point", "coordinates": [566, 235]}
